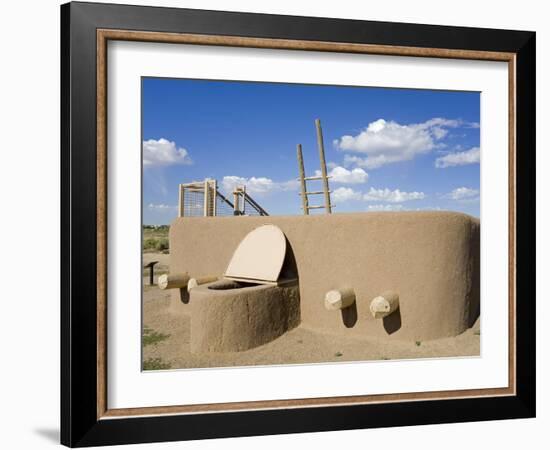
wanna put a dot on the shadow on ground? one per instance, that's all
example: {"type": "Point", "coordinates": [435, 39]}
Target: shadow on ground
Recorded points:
{"type": "Point", "coordinates": [50, 434]}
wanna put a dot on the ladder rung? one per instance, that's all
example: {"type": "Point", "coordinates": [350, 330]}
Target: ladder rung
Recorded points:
{"type": "Point", "coordinates": [314, 192]}
{"type": "Point", "coordinates": [319, 207]}
{"type": "Point", "coordinates": [315, 178]}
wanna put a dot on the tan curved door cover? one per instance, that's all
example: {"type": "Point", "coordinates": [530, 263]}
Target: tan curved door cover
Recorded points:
{"type": "Point", "coordinates": [259, 256]}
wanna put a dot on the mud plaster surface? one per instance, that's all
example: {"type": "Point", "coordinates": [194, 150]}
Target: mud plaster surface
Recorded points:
{"type": "Point", "coordinates": [298, 346]}
{"type": "Point", "coordinates": [430, 259]}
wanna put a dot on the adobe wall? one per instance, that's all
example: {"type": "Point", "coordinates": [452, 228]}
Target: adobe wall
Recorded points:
{"type": "Point", "coordinates": [431, 259]}
{"type": "Point", "coordinates": [239, 319]}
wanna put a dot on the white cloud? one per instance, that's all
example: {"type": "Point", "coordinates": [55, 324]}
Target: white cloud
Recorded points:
{"type": "Point", "coordinates": [396, 196]}
{"type": "Point", "coordinates": [352, 160]}
{"type": "Point", "coordinates": [161, 207]}
{"type": "Point", "coordinates": [253, 185]}
{"type": "Point", "coordinates": [390, 207]}
{"type": "Point", "coordinates": [257, 185]}
{"type": "Point", "coordinates": [290, 185]}
{"type": "Point", "coordinates": [163, 152]}
{"type": "Point", "coordinates": [458, 158]}
{"type": "Point", "coordinates": [386, 142]}
{"type": "Point", "coordinates": [463, 193]}
{"type": "Point", "coordinates": [429, 208]}
{"type": "Point", "coordinates": [344, 176]}
{"type": "Point", "coordinates": [343, 194]}
{"type": "Point", "coordinates": [385, 207]}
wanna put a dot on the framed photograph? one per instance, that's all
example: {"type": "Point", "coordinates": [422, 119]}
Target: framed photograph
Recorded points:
{"type": "Point", "coordinates": [277, 224]}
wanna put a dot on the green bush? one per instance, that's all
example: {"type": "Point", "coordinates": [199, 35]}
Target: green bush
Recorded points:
{"type": "Point", "coordinates": [162, 244]}
{"type": "Point", "coordinates": [155, 364]}
{"type": "Point", "coordinates": [152, 337]}
{"type": "Point", "coordinates": [149, 243]}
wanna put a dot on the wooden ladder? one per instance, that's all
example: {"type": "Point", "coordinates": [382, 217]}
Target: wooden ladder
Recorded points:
{"type": "Point", "coordinates": [324, 177]}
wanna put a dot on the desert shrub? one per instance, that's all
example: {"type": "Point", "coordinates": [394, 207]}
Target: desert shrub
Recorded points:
{"type": "Point", "coordinates": [152, 337]}
{"type": "Point", "coordinates": [162, 244]}
{"type": "Point", "coordinates": [149, 243]}
{"type": "Point", "coordinates": [155, 364]}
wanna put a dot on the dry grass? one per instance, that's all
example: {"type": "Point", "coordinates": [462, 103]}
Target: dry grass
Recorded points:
{"type": "Point", "coordinates": [152, 337]}
{"type": "Point", "coordinates": [155, 364]}
{"type": "Point", "coordinates": [155, 238]}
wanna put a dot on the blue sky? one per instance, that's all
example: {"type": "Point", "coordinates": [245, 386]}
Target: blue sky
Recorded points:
{"type": "Point", "coordinates": [386, 149]}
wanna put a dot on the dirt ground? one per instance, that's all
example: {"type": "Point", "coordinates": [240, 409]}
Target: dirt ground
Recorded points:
{"type": "Point", "coordinates": [166, 341]}
{"type": "Point", "coordinates": [160, 268]}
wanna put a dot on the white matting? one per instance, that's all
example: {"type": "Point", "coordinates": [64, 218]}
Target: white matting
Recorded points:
{"type": "Point", "coordinates": [129, 387]}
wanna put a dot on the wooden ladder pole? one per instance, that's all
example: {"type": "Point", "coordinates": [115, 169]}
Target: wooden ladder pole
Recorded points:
{"type": "Point", "coordinates": [180, 200]}
{"type": "Point", "coordinates": [205, 190]}
{"type": "Point", "coordinates": [323, 165]}
{"type": "Point", "coordinates": [236, 209]}
{"type": "Point", "coordinates": [305, 206]}
{"type": "Point", "coordinates": [214, 197]}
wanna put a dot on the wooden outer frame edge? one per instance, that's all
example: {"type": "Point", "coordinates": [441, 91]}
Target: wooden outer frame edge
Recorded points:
{"type": "Point", "coordinates": [104, 35]}
{"type": "Point", "coordinates": [101, 223]}
{"type": "Point", "coordinates": [304, 403]}
{"type": "Point", "coordinates": [512, 224]}
{"type": "Point", "coordinates": [288, 44]}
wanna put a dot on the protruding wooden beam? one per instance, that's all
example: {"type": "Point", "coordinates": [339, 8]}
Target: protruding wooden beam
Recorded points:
{"type": "Point", "coordinates": [384, 304]}
{"type": "Point", "coordinates": [339, 299]}
{"type": "Point", "coordinates": [173, 281]}
{"type": "Point", "coordinates": [194, 282]}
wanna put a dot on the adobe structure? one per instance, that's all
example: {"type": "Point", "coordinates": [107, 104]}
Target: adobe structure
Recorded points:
{"type": "Point", "coordinates": [246, 280]}
{"type": "Point", "coordinates": [429, 261]}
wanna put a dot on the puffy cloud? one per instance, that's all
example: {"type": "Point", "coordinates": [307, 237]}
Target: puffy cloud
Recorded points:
{"type": "Point", "coordinates": [290, 185]}
{"type": "Point", "coordinates": [429, 208]}
{"type": "Point", "coordinates": [161, 207]}
{"type": "Point", "coordinates": [343, 194]}
{"type": "Point", "coordinates": [385, 207]}
{"type": "Point", "coordinates": [390, 207]}
{"type": "Point", "coordinates": [385, 142]}
{"type": "Point", "coordinates": [352, 160]}
{"type": "Point", "coordinates": [230, 182]}
{"type": "Point", "coordinates": [163, 152]}
{"type": "Point", "coordinates": [253, 185]}
{"type": "Point", "coordinates": [387, 195]}
{"type": "Point", "coordinates": [344, 176]}
{"type": "Point", "coordinates": [463, 193]}
{"type": "Point", "coordinates": [257, 185]}
{"type": "Point", "coordinates": [458, 158]}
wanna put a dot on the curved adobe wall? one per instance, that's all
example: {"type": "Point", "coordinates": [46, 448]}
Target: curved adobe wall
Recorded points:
{"type": "Point", "coordinates": [431, 259]}
{"type": "Point", "coordinates": [231, 320]}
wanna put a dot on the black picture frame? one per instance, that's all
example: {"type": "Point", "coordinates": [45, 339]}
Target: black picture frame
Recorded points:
{"type": "Point", "coordinates": [80, 425]}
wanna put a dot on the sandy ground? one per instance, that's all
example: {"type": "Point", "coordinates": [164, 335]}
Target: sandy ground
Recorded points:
{"type": "Point", "coordinates": [301, 345]}
{"type": "Point", "coordinates": [160, 268]}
